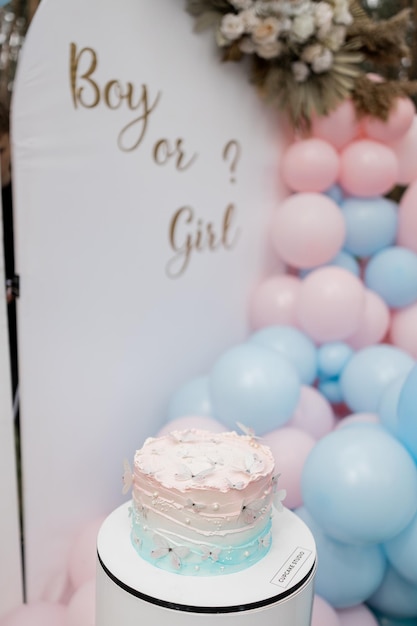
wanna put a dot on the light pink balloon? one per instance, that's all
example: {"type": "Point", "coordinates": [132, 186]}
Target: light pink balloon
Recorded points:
{"type": "Point", "coordinates": [310, 165]}
{"type": "Point", "coordinates": [330, 304]}
{"type": "Point", "coordinates": [83, 554]}
{"type": "Point", "coordinates": [290, 447]}
{"type": "Point", "coordinates": [323, 613]}
{"type": "Point", "coordinates": [308, 229]}
{"type": "Point", "coordinates": [38, 614]}
{"type": "Point", "coordinates": [201, 422]}
{"type": "Point", "coordinates": [313, 414]}
{"type": "Point", "coordinates": [403, 331]}
{"type": "Point", "coordinates": [395, 127]}
{"type": "Point", "coordinates": [374, 322]}
{"type": "Point", "coordinates": [357, 616]}
{"type": "Point", "coordinates": [273, 302]}
{"type": "Point", "coordinates": [358, 418]}
{"type": "Point", "coordinates": [368, 168]}
{"type": "Point", "coordinates": [81, 609]}
{"type": "Point", "coordinates": [339, 127]}
{"type": "Point", "coordinates": [405, 149]}
{"type": "Point", "coordinates": [407, 218]}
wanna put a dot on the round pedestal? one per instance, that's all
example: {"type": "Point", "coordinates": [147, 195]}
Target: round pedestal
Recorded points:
{"type": "Point", "coordinates": [276, 590]}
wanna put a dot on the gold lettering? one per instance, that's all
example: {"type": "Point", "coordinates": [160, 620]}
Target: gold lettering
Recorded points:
{"type": "Point", "coordinates": [141, 121]}
{"type": "Point", "coordinates": [178, 264]}
{"type": "Point", "coordinates": [78, 91]}
{"type": "Point", "coordinates": [163, 152]}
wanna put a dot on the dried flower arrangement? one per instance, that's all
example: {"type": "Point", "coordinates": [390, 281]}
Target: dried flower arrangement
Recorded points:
{"type": "Point", "coordinates": [307, 56]}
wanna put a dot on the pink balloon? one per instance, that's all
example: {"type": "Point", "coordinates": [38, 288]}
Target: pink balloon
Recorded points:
{"type": "Point", "coordinates": [374, 323]}
{"type": "Point", "coordinates": [273, 302]}
{"type": "Point", "coordinates": [323, 613]}
{"type": "Point", "coordinates": [339, 127]}
{"type": "Point", "coordinates": [310, 165]}
{"type": "Point", "coordinates": [83, 554]}
{"type": "Point", "coordinates": [290, 447]}
{"type": "Point", "coordinates": [403, 332]}
{"type": "Point", "coordinates": [395, 127]}
{"type": "Point", "coordinates": [308, 229]}
{"type": "Point", "coordinates": [200, 422]}
{"type": "Point", "coordinates": [82, 606]}
{"type": "Point", "coordinates": [405, 149]}
{"type": "Point", "coordinates": [407, 218]}
{"type": "Point", "coordinates": [358, 418]}
{"type": "Point", "coordinates": [39, 614]}
{"type": "Point", "coordinates": [330, 304]}
{"type": "Point", "coordinates": [357, 616]}
{"type": "Point", "coordinates": [368, 168]}
{"type": "Point", "coordinates": [313, 414]}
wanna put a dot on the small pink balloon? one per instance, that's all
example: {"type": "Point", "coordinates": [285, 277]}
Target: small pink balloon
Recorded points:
{"type": "Point", "coordinates": [83, 554]}
{"type": "Point", "coordinates": [310, 165]}
{"type": "Point", "coordinates": [407, 218]}
{"type": "Point", "coordinates": [330, 304]}
{"type": "Point", "coordinates": [358, 418]}
{"type": "Point", "coordinates": [308, 230]}
{"type": "Point", "coordinates": [201, 422]}
{"type": "Point", "coordinates": [38, 614]}
{"type": "Point", "coordinates": [290, 447]}
{"type": "Point", "coordinates": [357, 616]}
{"type": "Point", "coordinates": [374, 323]}
{"type": "Point", "coordinates": [313, 414]}
{"type": "Point", "coordinates": [405, 150]}
{"type": "Point", "coordinates": [81, 609]}
{"type": "Point", "coordinates": [403, 329]}
{"type": "Point", "coordinates": [323, 613]}
{"type": "Point", "coordinates": [368, 168]}
{"type": "Point", "coordinates": [273, 302]}
{"type": "Point", "coordinates": [395, 127]}
{"type": "Point", "coordinates": [339, 127]}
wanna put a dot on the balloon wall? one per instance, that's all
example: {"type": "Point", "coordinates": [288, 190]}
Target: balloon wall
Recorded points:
{"type": "Point", "coordinates": [328, 376]}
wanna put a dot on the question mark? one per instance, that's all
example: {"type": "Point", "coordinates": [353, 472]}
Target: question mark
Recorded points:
{"type": "Point", "coordinates": [231, 153]}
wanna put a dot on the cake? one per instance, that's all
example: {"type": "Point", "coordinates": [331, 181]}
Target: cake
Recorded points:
{"type": "Point", "coordinates": [202, 502]}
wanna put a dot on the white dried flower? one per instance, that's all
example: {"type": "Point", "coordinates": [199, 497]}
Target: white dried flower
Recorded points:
{"type": "Point", "coordinates": [246, 45]}
{"type": "Point", "coordinates": [311, 52]}
{"type": "Point", "coordinates": [269, 50]}
{"type": "Point", "coordinates": [232, 26]}
{"type": "Point", "coordinates": [341, 13]}
{"type": "Point", "coordinates": [250, 20]}
{"type": "Point", "coordinates": [241, 4]}
{"type": "Point", "coordinates": [267, 31]}
{"type": "Point", "coordinates": [323, 15]}
{"type": "Point", "coordinates": [300, 71]}
{"type": "Point", "coordinates": [336, 38]}
{"type": "Point", "coordinates": [323, 62]}
{"type": "Point", "coordinates": [302, 27]}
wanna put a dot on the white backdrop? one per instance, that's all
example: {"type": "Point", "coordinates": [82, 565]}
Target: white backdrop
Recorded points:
{"type": "Point", "coordinates": [10, 551]}
{"type": "Point", "coordinates": [145, 174]}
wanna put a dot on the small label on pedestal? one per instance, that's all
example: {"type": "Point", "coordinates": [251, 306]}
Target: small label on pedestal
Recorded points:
{"type": "Point", "coordinates": [291, 566]}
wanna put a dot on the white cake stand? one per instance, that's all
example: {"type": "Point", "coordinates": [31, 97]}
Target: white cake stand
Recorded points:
{"type": "Point", "coordinates": [276, 590]}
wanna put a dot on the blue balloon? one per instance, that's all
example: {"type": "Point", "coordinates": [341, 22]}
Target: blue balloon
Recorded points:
{"type": "Point", "coordinates": [407, 413]}
{"type": "Point", "coordinates": [292, 344]}
{"type": "Point", "coordinates": [368, 373]}
{"type": "Point", "coordinates": [392, 274]}
{"type": "Point", "coordinates": [346, 575]}
{"type": "Point", "coordinates": [402, 552]}
{"type": "Point", "coordinates": [371, 224]}
{"type": "Point", "coordinates": [254, 385]}
{"type": "Point", "coordinates": [384, 620]}
{"type": "Point", "coordinates": [388, 404]}
{"type": "Point", "coordinates": [332, 358]}
{"type": "Point", "coordinates": [395, 596]}
{"type": "Point", "coordinates": [335, 193]}
{"type": "Point", "coordinates": [193, 398]}
{"type": "Point", "coordinates": [331, 390]}
{"type": "Point", "coordinates": [360, 485]}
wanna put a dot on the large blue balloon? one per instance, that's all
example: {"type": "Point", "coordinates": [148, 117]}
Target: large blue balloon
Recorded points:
{"type": "Point", "coordinates": [193, 398]}
{"type": "Point", "coordinates": [292, 344]}
{"type": "Point", "coordinates": [384, 620]}
{"type": "Point", "coordinates": [368, 372]}
{"type": "Point", "coordinates": [407, 413]}
{"type": "Point", "coordinates": [346, 575]}
{"type": "Point", "coordinates": [332, 358]}
{"type": "Point", "coordinates": [255, 386]}
{"type": "Point", "coordinates": [392, 274]}
{"type": "Point", "coordinates": [371, 224]}
{"type": "Point", "coordinates": [360, 484]}
{"type": "Point", "coordinates": [402, 552]}
{"type": "Point", "coordinates": [395, 597]}
{"type": "Point", "coordinates": [388, 404]}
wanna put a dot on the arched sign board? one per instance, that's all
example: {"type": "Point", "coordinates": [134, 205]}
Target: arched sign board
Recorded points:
{"type": "Point", "coordinates": [145, 174]}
